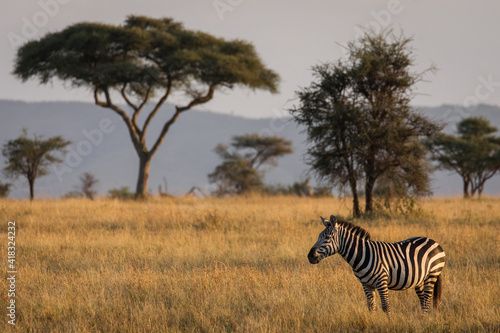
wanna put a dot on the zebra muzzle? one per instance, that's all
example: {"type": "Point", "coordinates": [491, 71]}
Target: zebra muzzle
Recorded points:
{"type": "Point", "coordinates": [313, 256]}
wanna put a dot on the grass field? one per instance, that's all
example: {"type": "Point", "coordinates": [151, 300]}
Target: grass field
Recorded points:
{"type": "Point", "coordinates": [235, 265]}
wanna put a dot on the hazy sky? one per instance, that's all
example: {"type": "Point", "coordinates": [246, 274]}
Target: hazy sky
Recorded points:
{"type": "Point", "coordinates": [460, 37]}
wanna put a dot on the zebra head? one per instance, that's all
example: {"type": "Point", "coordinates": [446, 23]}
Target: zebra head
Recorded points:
{"type": "Point", "coordinates": [327, 243]}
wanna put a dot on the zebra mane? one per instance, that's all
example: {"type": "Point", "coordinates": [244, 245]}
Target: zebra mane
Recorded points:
{"type": "Point", "coordinates": [354, 229]}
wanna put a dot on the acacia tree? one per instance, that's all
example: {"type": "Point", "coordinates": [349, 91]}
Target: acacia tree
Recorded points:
{"type": "Point", "coordinates": [239, 172]}
{"type": "Point", "coordinates": [31, 157]}
{"type": "Point", "coordinates": [143, 58]}
{"type": "Point", "coordinates": [359, 121]}
{"type": "Point", "coordinates": [474, 154]}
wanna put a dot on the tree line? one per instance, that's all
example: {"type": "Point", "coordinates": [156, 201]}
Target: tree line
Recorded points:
{"type": "Point", "coordinates": [473, 154]}
{"type": "Point", "coordinates": [364, 136]}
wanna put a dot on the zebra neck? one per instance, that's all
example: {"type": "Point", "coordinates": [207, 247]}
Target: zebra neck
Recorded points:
{"type": "Point", "coordinates": [350, 246]}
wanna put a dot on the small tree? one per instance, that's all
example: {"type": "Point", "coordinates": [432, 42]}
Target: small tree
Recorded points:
{"type": "Point", "coordinates": [138, 60]}
{"type": "Point", "coordinates": [359, 121]}
{"type": "Point", "coordinates": [474, 154]}
{"type": "Point", "coordinates": [239, 172]}
{"type": "Point", "coordinates": [235, 176]}
{"type": "Point", "coordinates": [4, 189]}
{"type": "Point", "coordinates": [31, 157]}
{"type": "Point", "coordinates": [87, 186]}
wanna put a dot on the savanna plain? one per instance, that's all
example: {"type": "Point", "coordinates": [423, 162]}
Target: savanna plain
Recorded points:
{"type": "Point", "coordinates": [235, 265]}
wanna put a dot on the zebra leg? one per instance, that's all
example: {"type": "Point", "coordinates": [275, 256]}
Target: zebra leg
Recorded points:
{"type": "Point", "coordinates": [370, 297]}
{"type": "Point", "coordinates": [426, 292]}
{"type": "Point", "coordinates": [383, 291]}
{"type": "Point", "coordinates": [420, 293]}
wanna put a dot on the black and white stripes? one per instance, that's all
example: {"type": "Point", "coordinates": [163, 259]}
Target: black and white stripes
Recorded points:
{"type": "Point", "coordinates": [416, 262]}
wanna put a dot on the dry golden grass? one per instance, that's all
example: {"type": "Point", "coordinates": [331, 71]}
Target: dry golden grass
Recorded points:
{"type": "Point", "coordinates": [211, 265]}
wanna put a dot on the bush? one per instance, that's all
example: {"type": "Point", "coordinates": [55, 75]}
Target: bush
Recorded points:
{"type": "Point", "coordinates": [4, 190]}
{"type": "Point", "coordinates": [122, 193]}
{"type": "Point", "coordinates": [301, 189]}
{"type": "Point", "coordinates": [72, 195]}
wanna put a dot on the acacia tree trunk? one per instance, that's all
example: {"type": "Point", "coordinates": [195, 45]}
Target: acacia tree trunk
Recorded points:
{"type": "Point", "coordinates": [370, 182]}
{"type": "Point", "coordinates": [355, 205]}
{"type": "Point", "coordinates": [466, 187]}
{"type": "Point", "coordinates": [355, 200]}
{"type": "Point", "coordinates": [143, 179]}
{"type": "Point", "coordinates": [32, 188]}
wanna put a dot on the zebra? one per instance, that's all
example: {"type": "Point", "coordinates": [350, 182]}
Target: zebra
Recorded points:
{"type": "Point", "coordinates": [416, 262]}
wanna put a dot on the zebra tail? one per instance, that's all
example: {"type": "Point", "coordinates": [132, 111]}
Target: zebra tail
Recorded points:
{"type": "Point", "coordinates": [437, 292]}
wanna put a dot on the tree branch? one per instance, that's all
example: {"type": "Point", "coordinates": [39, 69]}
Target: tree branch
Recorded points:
{"type": "Point", "coordinates": [164, 131]}
{"type": "Point", "coordinates": [140, 148]}
{"type": "Point", "coordinates": [156, 108]}
{"type": "Point", "coordinates": [136, 113]}
{"type": "Point", "coordinates": [137, 109]}
{"type": "Point", "coordinates": [256, 158]}
{"type": "Point", "coordinates": [178, 111]}
{"type": "Point", "coordinates": [199, 100]}
{"type": "Point", "coordinates": [132, 105]}
{"type": "Point", "coordinates": [96, 99]}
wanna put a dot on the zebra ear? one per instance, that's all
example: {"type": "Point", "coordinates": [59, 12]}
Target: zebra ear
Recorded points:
{"type": "Point", "coordinates": [325, 222]}
{"type": "Point", "coordinates": [333, 220]}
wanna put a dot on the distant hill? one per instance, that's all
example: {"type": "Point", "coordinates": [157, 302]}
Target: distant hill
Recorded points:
{"type": "Point", "coordinates": [186, 156]}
